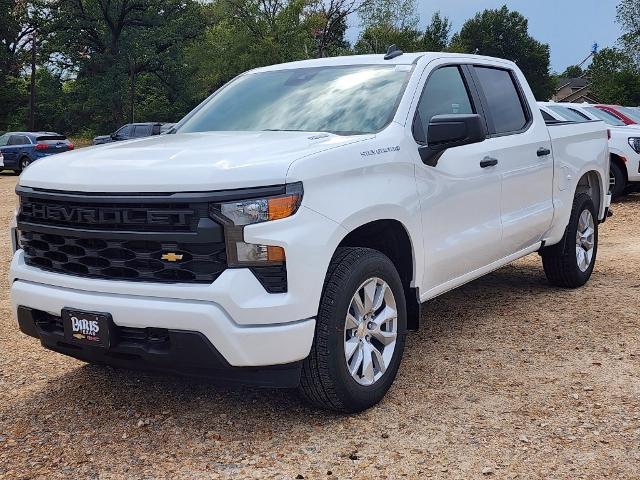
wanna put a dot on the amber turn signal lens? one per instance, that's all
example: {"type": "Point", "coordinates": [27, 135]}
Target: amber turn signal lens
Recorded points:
{"type": "Point", "coordinates": [283, 207]}
{"type": "Point", "coordinates": [275, 254]}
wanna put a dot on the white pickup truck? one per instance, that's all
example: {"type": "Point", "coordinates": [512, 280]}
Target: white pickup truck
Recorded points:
{"type": "Point", "coordinates": [624, 141]}
{"type": "Point", "coordinates": [289, 228]}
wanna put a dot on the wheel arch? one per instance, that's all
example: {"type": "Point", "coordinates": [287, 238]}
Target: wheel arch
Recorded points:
{"type": "Point", "coordinates": [592, 183]}
{"type": "Point", "coordinates": [620, 161]}
{"type": "Point", "coordinates": [391, 237]}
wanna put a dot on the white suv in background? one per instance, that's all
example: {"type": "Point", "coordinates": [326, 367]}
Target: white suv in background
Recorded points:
{"type": "Point", "coordinates": [624, 141]}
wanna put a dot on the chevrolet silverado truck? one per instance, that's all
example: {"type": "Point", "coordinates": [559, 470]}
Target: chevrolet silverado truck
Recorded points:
{"type": "Point", "coordinates": [286, 232]}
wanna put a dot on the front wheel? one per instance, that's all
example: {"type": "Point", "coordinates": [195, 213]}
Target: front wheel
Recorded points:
{"type": "Point", "coordinates": [360, 333]}
{"type": "Point", "coordinates": [570, 263]}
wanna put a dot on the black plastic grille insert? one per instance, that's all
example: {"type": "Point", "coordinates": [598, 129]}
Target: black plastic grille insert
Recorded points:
{"type": "Point", "coordinates": [125, 259]}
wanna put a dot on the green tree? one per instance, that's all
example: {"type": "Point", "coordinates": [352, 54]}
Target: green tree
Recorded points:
{"type": "Point", "coordinates": [389, 22]}
{"type": "Point", "coordinates": [437, 34]}
{"type": "Point", "coordinates": [15, 34]}
{"type": "Point", "coordinates": [615, 77]}
{"type": "Point", "coordinates": [110, 46]}
{"type": "Point", "coordinates": [573, 71]}
{"type": "Point", "coordinates": [505, 34]}
{"type": "Point", "coordinates": [628, 16]}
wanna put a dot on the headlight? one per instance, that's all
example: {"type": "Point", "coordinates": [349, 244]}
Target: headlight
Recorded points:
{"type": "Point", "coordinates": [635, 143]}
{"type": "Point", "coordinates": [247, 212]}
{"type": "Point", "coordinates": [236, 215]}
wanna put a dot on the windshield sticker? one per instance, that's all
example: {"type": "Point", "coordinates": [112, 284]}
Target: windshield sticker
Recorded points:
{"type": "Point", "coordinates": [380, 151]}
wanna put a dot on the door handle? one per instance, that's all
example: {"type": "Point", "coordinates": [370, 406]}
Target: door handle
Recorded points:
{"type": "Point", "coordinates": [488, 162]}
{"type": "Point", "coordinates": [543, 152]}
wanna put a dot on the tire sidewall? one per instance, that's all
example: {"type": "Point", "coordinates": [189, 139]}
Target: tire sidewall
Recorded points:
{"type": "Point", "coordinates": [585, 204]}
{"type": "Point", "coordinates": [619, 187]}
{"type": "Point", "coordinates": [355, 396]}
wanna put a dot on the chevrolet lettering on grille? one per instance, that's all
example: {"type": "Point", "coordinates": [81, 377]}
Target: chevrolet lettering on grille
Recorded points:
{"type": "Point", "coordinates": [99, 215]}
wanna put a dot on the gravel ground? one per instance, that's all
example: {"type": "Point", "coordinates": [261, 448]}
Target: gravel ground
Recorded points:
{"type": "Point", "coordinates": [509, 378]}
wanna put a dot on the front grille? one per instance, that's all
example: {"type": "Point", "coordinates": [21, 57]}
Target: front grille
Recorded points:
{"type": "Point", "coordinates": [124, 259]}
{"type": "Point", "coordinates": [150, 237]}
{"type": "Point", "coordinates": [132, 216]}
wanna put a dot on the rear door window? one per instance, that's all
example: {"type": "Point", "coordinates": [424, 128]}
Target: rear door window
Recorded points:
{"type": "Point", "coordinates": [504, 101]}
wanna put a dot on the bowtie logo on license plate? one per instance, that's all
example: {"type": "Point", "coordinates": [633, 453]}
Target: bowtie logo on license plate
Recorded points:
{"type": "Point", "coordinates": [172, 257]}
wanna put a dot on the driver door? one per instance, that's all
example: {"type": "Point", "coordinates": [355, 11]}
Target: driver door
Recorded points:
{"type": "Point", "coordinates": [460, 194]}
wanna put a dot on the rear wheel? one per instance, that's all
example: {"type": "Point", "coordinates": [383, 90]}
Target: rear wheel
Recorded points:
{"type": "Point", "coordinates": [617, 181]}
{"type": "Point", "coordinates": [570, 262]}
{"type": "Point", "coordinates": [360, 333]}
{"type": "Point", "coordinates": [24, 163]}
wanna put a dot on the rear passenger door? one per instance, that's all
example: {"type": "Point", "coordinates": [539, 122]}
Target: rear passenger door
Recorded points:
{"type": "Point", "coordinates": [519, 140]}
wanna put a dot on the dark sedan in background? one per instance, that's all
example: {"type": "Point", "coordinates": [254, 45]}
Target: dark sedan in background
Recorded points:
{"type": "Point", "coordinates": [134, 130]}
{"type": "Point", "coordinates": [19, 149]}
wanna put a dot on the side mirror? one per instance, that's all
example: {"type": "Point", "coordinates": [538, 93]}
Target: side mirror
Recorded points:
{"type": "Point", "coordinates": [447, 131]}
{"type": "Point", "coordinates": [114, 136]}
{"type": "Point", "coordinates": [155, 130]}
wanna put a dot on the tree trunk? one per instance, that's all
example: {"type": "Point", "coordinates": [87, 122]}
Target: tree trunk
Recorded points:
{"type": "Point", "coordinates": [32, 93]}
{"type": "Point", "coordinates": [132, 95]}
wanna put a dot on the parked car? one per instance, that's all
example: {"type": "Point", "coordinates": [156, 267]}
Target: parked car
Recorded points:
{"type": "Point", "coordinates": [20, 149]}
{"type": "Point", "coordinates": [289, 229]}
{"type": "Point", "coordinates": [625, 114]}
{"type": "Point", "coordinates": [624, 143]}
{"type": "Point", "coordinates": [134, 130]}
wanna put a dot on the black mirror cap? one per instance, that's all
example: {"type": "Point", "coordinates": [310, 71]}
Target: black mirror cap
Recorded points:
{"type": "Point", "coordinates": [448, 131]}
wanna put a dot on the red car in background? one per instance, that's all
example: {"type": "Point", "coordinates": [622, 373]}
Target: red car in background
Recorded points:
{"type": "Point", "coordinates": [628, 115]}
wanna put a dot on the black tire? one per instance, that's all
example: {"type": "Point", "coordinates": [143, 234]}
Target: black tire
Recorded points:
{"type": "Point", "coordinates": [23, 163]}
{"type": "Point", "coordinates": [618, 182]}
{"type": "Point", "coordinates": [559, 261]}
{"type": "Point", "coordinates": [326, 381]}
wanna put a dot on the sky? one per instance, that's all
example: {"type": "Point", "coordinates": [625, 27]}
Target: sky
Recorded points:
{"type": "Point", "coordinates": [570, 27]}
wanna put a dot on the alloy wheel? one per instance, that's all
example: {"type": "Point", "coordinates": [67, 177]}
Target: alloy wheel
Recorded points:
{"type": "Point", "coordinates": [370, 332]}
{"type": "Point", "coordinates": [585, 240]}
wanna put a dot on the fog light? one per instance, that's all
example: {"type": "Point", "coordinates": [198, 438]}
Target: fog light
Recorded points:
{"type": "Point", "coordinates": [248, 253]}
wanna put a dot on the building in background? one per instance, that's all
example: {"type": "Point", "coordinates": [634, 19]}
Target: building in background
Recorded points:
{"type": "Point", "coordinates": [574, 90]}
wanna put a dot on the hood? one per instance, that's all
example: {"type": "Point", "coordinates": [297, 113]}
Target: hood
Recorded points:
{"type": "Point", "coordinates": [628, 130]}
{"type": "Point", "coordinates": [181, 162]}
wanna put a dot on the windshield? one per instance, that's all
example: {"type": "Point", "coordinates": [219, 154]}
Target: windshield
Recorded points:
{"type": "Point", "coordinates": [631, 113]}
{"type": "Point", "coordinates": [569, 114]}
{"type": "Point", "coordinates": [605, 116]}
{"type": "Point", "coordinates": [342, 100]}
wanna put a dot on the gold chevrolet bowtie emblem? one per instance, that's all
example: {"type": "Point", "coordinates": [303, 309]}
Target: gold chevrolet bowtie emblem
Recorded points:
{"type": "Point", "coordinates": [172, 257]}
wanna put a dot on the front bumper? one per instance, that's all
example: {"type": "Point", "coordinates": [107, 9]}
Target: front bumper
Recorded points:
{"type": "Point", "coordinates": [176, 351]}
{"type": "Point", "coordinates": [239, 346]}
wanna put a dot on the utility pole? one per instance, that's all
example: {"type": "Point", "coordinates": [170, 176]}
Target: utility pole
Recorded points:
{"type": "Point", "coordinates": [32, 96]}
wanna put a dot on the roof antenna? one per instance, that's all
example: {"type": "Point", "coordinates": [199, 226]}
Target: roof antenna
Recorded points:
{"type": "Point", "coordinates": [393, 52]}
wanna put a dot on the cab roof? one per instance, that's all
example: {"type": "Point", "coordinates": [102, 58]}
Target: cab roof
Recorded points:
{"type": "Point", "coordinates": [404, 59]}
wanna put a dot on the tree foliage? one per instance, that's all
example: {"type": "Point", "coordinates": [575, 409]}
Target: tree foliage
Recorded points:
{"type": "Point", "coordinates": [505, 34]}
{"type": "Point", "coordinates": [615, 77]}
{"type": "Point", "coordinates": [101, 63]}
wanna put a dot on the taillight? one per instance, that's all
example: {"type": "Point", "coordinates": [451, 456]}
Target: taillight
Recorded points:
{"type": "Point", "coordinates": [70, 146]}
{"type": "Point", "coordinates": [41, 146]}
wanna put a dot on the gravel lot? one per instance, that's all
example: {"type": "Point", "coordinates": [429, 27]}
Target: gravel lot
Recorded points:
{"type": "Point", "coordinates": [509, 378]}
